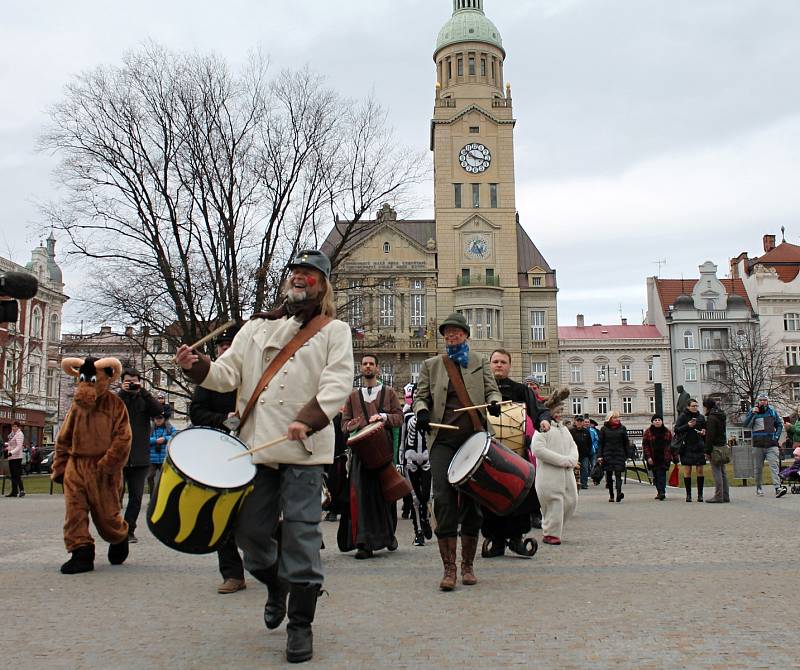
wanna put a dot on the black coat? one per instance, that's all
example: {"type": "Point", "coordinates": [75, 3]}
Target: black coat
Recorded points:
{"type": "Point", "coordinates": [583, 438]}
{"type": "Point", "coordinates": [613, 447]}
{"type": "Point", "coordinates": [715, 430]}
{"type": "Point", "coordinates": [142, 407]}
{"type": "Point", "coordinates": [211, 408]}
{"type": "Point", "coordinates": [692, 450]}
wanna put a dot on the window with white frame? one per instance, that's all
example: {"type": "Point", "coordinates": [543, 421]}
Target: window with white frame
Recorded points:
{"type": "Point", "coordinates": [355, 310]}
{"type": "Point", "coordinates": [650, 371]}
{"type": "Point", "coordinates": [387, 373]}
{"type": "Point", "coordinates": [539, 372]}
{"type": "Point", "coordinates": [416, 369]}
{"type": "Point", "coordinates": [417, 309]}
{"type": "Point", "coordinates": [387, 247]}
{"type": "Point", "coordinates": [53, 330]}
{"type": "Point", "coordinates": [575, 373]}
{"type": "Point", "coordinates": [478, 330]}
{"type": "Point", "coordinates": [791, 321]}
{"type": "Point", "coordinates": [52, 382]}
{"type": "Point", "coordinates": [577, 405]}
{"type": "Point", "coordinates": [387, 309]}
{"type": "Point", "coordinates": [36, 322]}
{"type": "Point", "coordinates": [602, 405]}
{"type": "Point", "coordinates": [8, 375]}
{"type": "Point", "coordinates": [417, 284]}
{"type": "Point", "coordinates": [690, 372]}
{"type": "Point", "coordinates": [538, 325]}
{"type": "Point", "coordinates": [651, 404]}
{"type": "Point", "coordinates": [796, 391]}
{"type": "Point", "coordinates": [793, 354]}
{"type": "Point", "coordinates": [627, 404]}
{"type": "Point", "coordinates": [602, 373]}
{"type": "Point", "coordinates": [688, 339]}
{"type": "Point", "coordinates": [626, 372]}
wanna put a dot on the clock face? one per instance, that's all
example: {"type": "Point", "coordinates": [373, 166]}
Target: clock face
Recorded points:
{"type": "Point", "coordinates": [477, 246]}
{"type": "Point", "coordinates": [475, 158]}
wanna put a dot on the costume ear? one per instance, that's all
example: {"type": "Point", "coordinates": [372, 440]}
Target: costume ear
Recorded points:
{"type": "Point", "coordinates": [72, 366]}
{"type": "Point", "coordinates": [111, 366]}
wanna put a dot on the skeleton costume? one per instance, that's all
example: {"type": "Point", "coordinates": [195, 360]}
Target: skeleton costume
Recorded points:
{"type": "Point", "coordinates": [414, 458]}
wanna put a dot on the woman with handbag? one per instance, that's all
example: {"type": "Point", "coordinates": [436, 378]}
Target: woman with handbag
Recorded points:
{"type": "Point", "coordinates": [717, 450]}
{"type": "Point", "coordinates": [614, 450]}
{"type": "Point", "coordinates": [657, 453]}
{"type": "Point", "coordinates": [691, 427]}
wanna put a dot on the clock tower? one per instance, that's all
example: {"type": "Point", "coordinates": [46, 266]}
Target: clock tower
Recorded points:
{"type": "Point", "coordinates": [488, 268]}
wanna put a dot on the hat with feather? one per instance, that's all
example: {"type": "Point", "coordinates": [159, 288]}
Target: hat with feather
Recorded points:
{"type": "Point", "coordinates": [555, 403]}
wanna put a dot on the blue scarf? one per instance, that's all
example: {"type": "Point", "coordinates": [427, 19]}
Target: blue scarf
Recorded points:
{"type": "Point", "coordinates": [459, 353]}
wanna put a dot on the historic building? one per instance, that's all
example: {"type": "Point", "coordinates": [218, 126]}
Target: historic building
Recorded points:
{"type": "Point", "coordinates": [397, 279]}
{"type": "Point", "coordinates": [772, 282]}
{"type": "Point", "coordinates": [29, 350]}
{"type": "Point", "coordinates": [700, 317]}
{"type": "Point", "coordinates": [616, 367]}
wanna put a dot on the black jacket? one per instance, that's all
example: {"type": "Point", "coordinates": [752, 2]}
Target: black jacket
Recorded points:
{"type": "Point", "coordinates": [211, 408]}
{"type": "Point", "coordinates": [715, 430]}
{"type": "Point", "coordinates": [583, 438]}
{"type": "Point", "coordinates": [142, 407]}
{"type": "Point", "coordinates": [614, 447]}
{"type": "Point", "coordinates": [692, 450]}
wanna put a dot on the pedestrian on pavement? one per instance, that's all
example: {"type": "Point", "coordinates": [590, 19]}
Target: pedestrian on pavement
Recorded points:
{"type": "Point", "coordinates": [583, 439]}
{"type": "Point", "coordinates": [691, 429]}
{"type": "Point", "coordinates": [213, 409]}
{"type": "Point", "coordinates": [142, 407]}
{"type": "Point", "coordinates": [306, 392]}
{"type": "Point", "coordinates": [459, 372]}
{"type": "Point", "coordinates": [370, 523]}
{"type": "Point", "coordinates": [657, 453]}
{"type": "Point", "coordinates": [717, 450]}
{"type": "Point", "coordinates": [415, 459]}
{"type": "Point", "coordinates": [13, 448]}
{"type": "Point", "coordinates": [556, 457]}
{"type": "Point", "coordinates": [159, 439]}
{"type": "Point", "coordinates": [766, 426]}
{"type": "Point", "coordinates": [614, 447]}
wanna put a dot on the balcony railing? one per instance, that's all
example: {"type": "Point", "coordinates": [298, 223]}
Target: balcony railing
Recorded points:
{"type": "Point", "coordinates": [501, 102]}
{"type": "Point", "coordinates": [478, 280]}
{"type": "Point", "coordinates": [446, 102]}
{"type": "Point", "coordinates": [538, 344]}
{"type": "Point", "coordinates": [713, 315]}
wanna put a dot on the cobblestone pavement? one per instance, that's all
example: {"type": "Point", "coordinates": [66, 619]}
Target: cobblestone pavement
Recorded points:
{"type": "Point", "coordinates": [642, 584]}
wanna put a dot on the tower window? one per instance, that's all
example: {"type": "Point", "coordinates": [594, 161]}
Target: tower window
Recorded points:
{"type": "Point", "coordinates": [493, 196]}
{"type": "Point", "coordinates": [449, 69]}
{"type": "Point", "coordinates": [494, 75]}
{"type": "Point", "coordinates": [387, 247]}
{"type": "Point", "coordinates": [476, 196]}
{"type": "Point", "coordinates": [483, 67]}
{"type": "Point", "coordinates": [465, 277]}
{"type": "Point", "coordinates": [460, 67]}
{"type": "Point", "coordinates": [457, 193]}
{"type": "Point", "coordinates": [471, 64]}
{"type": "Point", "coordinates": [474, 129]}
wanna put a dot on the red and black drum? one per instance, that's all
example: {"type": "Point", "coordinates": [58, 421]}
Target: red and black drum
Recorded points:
{"type": "Point", "coordinates": [491, 474]}
{"type": "Point", "coordinates": [371, 445]}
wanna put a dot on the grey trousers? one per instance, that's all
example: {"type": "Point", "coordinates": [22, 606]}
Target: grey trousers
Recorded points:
{"type": "Point", "coordinates": [772, 456]}
{"type": "Point", "coordinates": [721, 490]}
{"type": "Point", "coordinates": [451, 508]}
{"type": "Point", "coordinates": [294, 491]}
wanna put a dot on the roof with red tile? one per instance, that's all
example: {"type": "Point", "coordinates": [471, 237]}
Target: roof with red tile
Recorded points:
{"type": "Point", "coordinates": [670, 289]}
{"type": "Point", "coordinates": [618, 332]}
{"type": "Point", "coordinates": [785, 259]}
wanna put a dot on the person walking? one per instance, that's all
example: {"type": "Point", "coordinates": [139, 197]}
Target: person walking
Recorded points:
{"type": "Point", "coordinates": [159, 438]}
{"type": "Point", "coordinates": [657, 453]}
{"type": "Point", "coordinates": [691, 428]}
{"type": "Point", "coordinates": [297, 405]}
{"type": "Point", "coordinates": [717, 450]}
{"type": "Point", "coordinates": [767, 426]}
{"type": "Point", "coordinates": [614, 445]}
{"type": "Point", "coordinates": [583, 439]}
{"type": "Point", "coordinates": [14, 447]}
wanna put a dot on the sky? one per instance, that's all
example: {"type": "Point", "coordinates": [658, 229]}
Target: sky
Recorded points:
{"type": "Point", "coordinates": [647, 130]}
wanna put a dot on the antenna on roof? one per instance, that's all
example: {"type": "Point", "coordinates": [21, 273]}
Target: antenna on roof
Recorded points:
{"type": "Point", "coordinates": [660, 262]}
{"type": "Point", "coordinates": [783, 233]}
{"type": "Point", "coordinates": [683, 290]}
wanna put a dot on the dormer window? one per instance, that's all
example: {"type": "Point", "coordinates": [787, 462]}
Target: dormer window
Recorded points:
{"type": "Point", "coordinates": [387, 247]}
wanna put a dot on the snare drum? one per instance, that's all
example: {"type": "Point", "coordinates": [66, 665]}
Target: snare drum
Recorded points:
{"type": "Point", "coordinates": [509, 427]}
{"type": "Point", "coordinates": [371, 445]}
{"type": "Point", "coordinates": [491, 474]}
{"type": "Point", "coordinates": [199, 490]}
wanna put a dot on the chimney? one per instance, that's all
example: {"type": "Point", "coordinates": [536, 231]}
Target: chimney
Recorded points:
{"type": "Point", "coordinates": [128, 331]}
{"type": "Point", "coordinates": [624, 322]}
{"type": "Point", "coordinates": [580, 321]}
{"type": "Point", "coordinates": [769, 243]}
{"type": "Point", "coordinates": [105, 330]}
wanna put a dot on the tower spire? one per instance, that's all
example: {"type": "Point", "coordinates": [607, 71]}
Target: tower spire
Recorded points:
{"type": "Point", "coordinates": [463, 5]}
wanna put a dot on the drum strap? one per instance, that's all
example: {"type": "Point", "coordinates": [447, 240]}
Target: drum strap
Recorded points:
{"type": "Point", "coordinates": [303, 335]}
{"type": "Point", "coordinates": [461, 391]}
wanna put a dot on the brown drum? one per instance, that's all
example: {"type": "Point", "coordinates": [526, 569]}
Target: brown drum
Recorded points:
{"type": "Point", "coordinates": [509, 427]}
{"type": "Point", "coordinates": [372, 447]}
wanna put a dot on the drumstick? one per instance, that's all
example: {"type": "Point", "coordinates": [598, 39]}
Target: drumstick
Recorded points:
{"type": "Point", "coordinates": [464, 409]}
{"type": "Point", "coordinates": [443, 426]}
{"type": "Point", "coordinates": [210, 336]}
{"type": "Point", "coordinates": [269, 444]}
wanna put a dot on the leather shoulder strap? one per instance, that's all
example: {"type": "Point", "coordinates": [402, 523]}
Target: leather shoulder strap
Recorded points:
{"type": "Point", "coordinates": [303, 335]}
{"type": "Point", "coordinates": [461, 391]}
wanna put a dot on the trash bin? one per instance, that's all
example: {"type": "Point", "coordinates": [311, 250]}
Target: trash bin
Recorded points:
{"type": "Point", "coordinates": [742, 459]}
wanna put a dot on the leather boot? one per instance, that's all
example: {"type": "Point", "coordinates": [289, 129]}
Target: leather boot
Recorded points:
{"type": "Point", "coordinates": [469, 545]}
{"type": "Point", "coordinates": [82, 560]}
{"type": "Point", "coordinates": [302, 605]}
{"type": "Point", "coordinates": [447, 550]}
{"type": "Point", "coordinates": [700, 481]}
{"type": "Point", "coordinates": [117, 553]}
{"type": "Point", "coordinates": [277, 590]}
{"type": "Point", "coordinates": [687, 482]}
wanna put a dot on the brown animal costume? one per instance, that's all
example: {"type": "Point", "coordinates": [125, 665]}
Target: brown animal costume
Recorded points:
{"type": "Point", "coordinates": [91, 450]}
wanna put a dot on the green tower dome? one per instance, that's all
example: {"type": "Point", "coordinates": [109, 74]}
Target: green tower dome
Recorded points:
{"type": "Point", "coordinates": [469, 24]}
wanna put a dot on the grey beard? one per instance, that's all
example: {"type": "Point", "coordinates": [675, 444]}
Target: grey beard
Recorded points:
{"type": "Point", "coordinates": [292, 296]}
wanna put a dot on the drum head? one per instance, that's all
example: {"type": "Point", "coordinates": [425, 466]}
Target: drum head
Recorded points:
{"type": "Point", "coordinates": [468, 458]}
{"type": "Point", "coordinates": [365, 432]}
{"type": "Point", "coordinates": [202, 455]}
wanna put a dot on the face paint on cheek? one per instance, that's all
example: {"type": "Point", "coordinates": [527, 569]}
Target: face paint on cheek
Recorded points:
{"type": "Point", "coordinates": [311, 282]}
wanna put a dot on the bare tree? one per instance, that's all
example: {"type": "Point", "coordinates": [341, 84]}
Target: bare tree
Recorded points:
{"type": "Point", "coordinates": [752, 365]}
{"type": "Point", "coordinates": [20, 385]}
{"type": "Point", "coordinates": [187, 187]}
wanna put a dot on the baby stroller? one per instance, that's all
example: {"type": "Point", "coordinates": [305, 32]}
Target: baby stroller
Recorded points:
{"type": "Point", "coordinates": [791, 476]}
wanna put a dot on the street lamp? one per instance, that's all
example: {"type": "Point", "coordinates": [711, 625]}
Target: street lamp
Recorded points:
{"type": "Point", "coordinates": [658, 385]}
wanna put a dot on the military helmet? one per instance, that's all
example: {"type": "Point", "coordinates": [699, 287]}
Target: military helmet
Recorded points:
{"type": "Point", "coordinates": [311, 258]}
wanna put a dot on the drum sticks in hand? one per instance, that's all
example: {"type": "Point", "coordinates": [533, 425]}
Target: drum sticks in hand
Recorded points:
{"type": "Point", "coordinates": [269, 444]}
{"type": "Point", "coordinates": [464, 409]}
{"type": "Point", "coordinates": [211, 336]}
